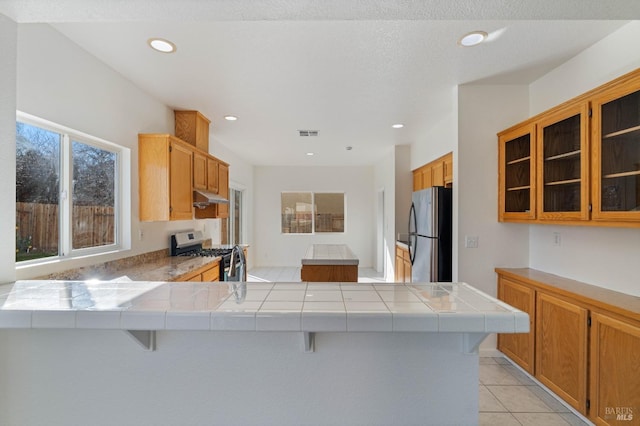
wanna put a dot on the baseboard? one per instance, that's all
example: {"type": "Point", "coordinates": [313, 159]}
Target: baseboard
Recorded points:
{"type": "Point", "coordinates": [489, 352]}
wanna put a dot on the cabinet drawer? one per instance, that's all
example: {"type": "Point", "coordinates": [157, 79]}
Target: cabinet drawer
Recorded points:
{"type": "Point", "coordinates": [212, 274]}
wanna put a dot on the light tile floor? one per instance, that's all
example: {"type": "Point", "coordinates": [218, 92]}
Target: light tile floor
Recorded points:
{"type": "Point", "coordinates": [508, 397]}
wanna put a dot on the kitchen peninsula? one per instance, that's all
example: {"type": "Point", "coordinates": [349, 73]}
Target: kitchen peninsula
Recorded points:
{"type": "Point", "coordinates": [244, 353]}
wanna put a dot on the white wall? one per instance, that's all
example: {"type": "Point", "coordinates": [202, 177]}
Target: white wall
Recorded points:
{"type": "Point", "coordinates": [272, 248]}
{"type": "Point", "coordinates": [483, 112]}
{"type": "Point", "coordinates": [404, 188]}
{"type": "Point", "coordinates": [60, 82]}
{"type": "Point", "coordinates": [8, 47]}
{"type": "Point", "coordinates": [605, 257]}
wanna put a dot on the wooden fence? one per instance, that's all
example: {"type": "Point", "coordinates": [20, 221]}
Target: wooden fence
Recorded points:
{"type": "Point", "coordinates": [37, 225]}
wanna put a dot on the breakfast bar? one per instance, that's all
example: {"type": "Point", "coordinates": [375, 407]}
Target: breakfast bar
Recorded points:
{"type": "Point", "coordinates": [329, 263]}
{"type": "Point", "coordinates": [244, 353]}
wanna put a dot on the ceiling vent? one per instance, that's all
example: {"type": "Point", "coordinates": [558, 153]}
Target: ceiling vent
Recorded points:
{"type": "Point", "coordinates": [308, 132]}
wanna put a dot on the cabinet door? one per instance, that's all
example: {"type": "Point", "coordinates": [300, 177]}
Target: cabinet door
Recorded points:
{"type": "Point", "coordinates": [519, 347]}
{"type": "Point", "coordinates": [181, 188]}
{"type": "Point", "coordinates": [199, 171]}
{"type": "Point", "coordinates": [417, 180]}
{"type": "Point", "coordinates": [563, 164]}
{"type": "Point", "coordinates": [516, 174]}
{"type": "Point", "coordinates": [427, 178]}
{"type": "Point", "coordinates": [448, 170]}
{"type": "Point", "coordinates": [153, 177]}
{"type": "Point", "coordinates": [399, 266]}
{"type": "Point", "coordinates": [437, 174]}
{"type": "Point", "coordinates": [616, 153]}
{"type": "Point", "coordinates": [615, 371]}
{"type": "Point", "coordinates": [407, 268]}
{"type": "Point", "coordinates": [212, 175]}
{"type": "Point", "coordinates": [561, 349]}
{"type": "Point", "coordinates": [223, 189]}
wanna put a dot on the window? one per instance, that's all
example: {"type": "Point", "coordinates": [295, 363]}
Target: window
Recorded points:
{"type": "Point", "coordinates": [235, 216]}
{"type": "Point", "coordinates": [67, 192]}
{"type": "Point", "coordinates": [312, 212]}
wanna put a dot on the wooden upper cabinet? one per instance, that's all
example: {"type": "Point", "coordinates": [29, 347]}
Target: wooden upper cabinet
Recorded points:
{"type": "Point", "coordinates": [181, 198]}
{"type": "Point", "coordinates": [212, 175]}
{"type": "Point", "coordinates": [563, 164]}
{"type": "Point", "coordinates": [193, 127]}
{"type": "Point", "coordinates": [200, 171]}
{"type": "Point", "coordinates": [616, 152]}
{"type": "Point", "coordinates": [448, 169]}
{"type": "Point", "coordinates": [417, 180]}
{"type": "Point", "coordinates": [165, 170]}
{"type": "Point", "coordinates": [516, 174]}
{"type": "Point", "coordinates": [587, 161]}
{"type": "Point", "coordinates": [436, 173]}
{"type": "Point", "coordinates": [218, 183]}
{"type": "Point", "coordinates": [223, 189]}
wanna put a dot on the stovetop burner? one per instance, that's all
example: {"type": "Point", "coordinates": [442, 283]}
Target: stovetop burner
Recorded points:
{"type": "Point", "coordinates": [207, 252]}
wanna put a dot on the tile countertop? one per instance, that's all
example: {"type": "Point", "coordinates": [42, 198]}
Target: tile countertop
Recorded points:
{"type": "Point", "coordinates": [306, 307]}
{"type": "Point", "coordinates": [168, 268]}
{"type": "Point", "coordinates": [329, 254]}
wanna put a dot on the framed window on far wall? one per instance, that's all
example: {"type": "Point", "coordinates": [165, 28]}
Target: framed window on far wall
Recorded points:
{"type": "Point", "coordinates": [312, 212]}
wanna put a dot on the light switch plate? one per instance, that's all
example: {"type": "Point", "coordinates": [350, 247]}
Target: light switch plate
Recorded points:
{"type": "Point", "coordinates": [471, 241]}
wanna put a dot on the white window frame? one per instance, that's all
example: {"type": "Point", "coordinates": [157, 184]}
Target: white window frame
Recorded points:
{"type": "Point", "coordinates": [313, 215]}
{"type": "Point", "coordinates": [122, 203]}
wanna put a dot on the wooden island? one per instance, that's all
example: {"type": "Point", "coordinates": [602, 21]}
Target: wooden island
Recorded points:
{"type": "Point", "coordinates": [329, 262]}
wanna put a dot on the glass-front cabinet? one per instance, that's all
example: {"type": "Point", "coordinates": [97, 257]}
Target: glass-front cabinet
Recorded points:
{"type": "Point", "coordinates": [616, 153]}
{"type": "Point", "coordinates": [563, 164]}
{"type": "Point", "coordinates": [516, 151]}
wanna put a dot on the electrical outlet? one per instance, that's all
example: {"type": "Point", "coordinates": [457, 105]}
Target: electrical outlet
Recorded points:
{"type": "Point", "coordinates": [471, 241]}
{"type": "Point", "coordinates": [140, 234]}
{"type": "Point", "coordinates": [556, 239]}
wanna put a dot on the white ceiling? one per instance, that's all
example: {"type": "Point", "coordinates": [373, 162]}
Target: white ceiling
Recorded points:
{"type": "Point", "coordinates": [349, 69]}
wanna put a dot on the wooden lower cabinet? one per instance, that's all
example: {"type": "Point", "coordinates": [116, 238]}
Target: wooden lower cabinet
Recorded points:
{"type": "Point", "coordinates": [587, 342]}
{"type": "Point", "coordinates": [403, 265]}
{"type": "Point", "coordinates": [615, 371]}
{"type": "Point", "coordinates": [329, 273]}
{"type": "Point", "coordinates": [561, 349]}
{"type": "Point", "coordinates": [206, 273]}
{"type": "Point", "coordinates": [519, 347]}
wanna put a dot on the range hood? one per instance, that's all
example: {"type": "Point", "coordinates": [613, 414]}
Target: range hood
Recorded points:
{"type": "Point", "coordinates": [201, 199]}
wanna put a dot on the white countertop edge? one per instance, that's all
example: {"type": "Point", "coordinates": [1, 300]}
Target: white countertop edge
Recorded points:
{"type": "Point", "coordinates": [382, 321]}
{"type": "Point", "coordinates": [153, 308]}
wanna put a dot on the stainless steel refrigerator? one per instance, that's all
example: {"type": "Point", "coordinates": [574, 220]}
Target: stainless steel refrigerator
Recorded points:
{"type": "Point", "coordinates": [430, 235]}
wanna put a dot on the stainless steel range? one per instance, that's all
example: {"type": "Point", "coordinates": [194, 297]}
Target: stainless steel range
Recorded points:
{"type": "Point", "coordinates": [232, 261]}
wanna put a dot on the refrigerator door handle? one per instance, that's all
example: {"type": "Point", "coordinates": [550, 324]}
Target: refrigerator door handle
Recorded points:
{"type": "Point", "coordinates": [413, 240]}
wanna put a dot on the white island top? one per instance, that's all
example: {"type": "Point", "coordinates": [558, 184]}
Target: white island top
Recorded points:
{"type": "Point", "coordinates": [310, 307]}
{"type": "Point", "coordinates": [329, 254]}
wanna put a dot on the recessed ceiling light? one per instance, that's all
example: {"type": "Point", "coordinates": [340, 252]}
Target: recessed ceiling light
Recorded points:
{"type": "Point", "coordinates": [162, 45]}
{"type": "Point", "coordinates": [398, 126]}
{"type": "Point", "coordinates": [473, 38]}
{"type": "Point", "coordinates": [309, 154]}
{"type": "Point", "coordinates": [230, 117]}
